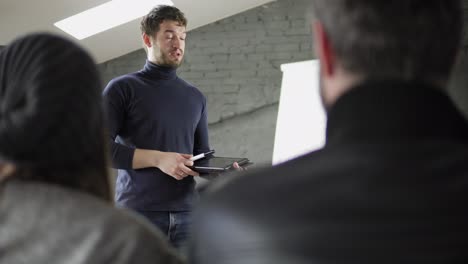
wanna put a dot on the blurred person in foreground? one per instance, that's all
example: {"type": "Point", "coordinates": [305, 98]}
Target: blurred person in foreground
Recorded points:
{"type": "Point", "coordinates": [391, 183]}
{"type": "Point", "coordinates": [55, 201]}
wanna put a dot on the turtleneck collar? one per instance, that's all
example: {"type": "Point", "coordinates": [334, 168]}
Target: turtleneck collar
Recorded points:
{"type": "Point", "coordinates": [159, 72]}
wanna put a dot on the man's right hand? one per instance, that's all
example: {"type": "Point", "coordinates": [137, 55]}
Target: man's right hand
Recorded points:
{"type": "Point", "coordinates": [175, 164]}
{"type": "Point", "coordinates": [171, 163]}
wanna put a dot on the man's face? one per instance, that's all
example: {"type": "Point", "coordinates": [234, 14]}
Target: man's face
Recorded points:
{"type": "Point", "coordinates": [168, 45]}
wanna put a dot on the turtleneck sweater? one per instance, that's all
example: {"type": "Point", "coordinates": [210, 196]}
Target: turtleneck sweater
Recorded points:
{"type": "Point", "coordinates": [154, 109]}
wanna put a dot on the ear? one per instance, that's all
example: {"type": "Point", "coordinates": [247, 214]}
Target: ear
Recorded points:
{"type": "Point", "coordinates": [323, 49]}
{"type": "Point", "coordinates": [6, 170]}
{"type": "Point", "coordinates": [147, 40]}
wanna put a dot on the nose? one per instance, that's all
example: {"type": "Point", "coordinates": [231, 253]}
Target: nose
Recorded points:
{"type": "Point", "coordinates": [176, 43]}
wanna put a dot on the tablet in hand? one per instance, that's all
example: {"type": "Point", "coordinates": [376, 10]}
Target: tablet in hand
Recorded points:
{"type": "Point", "coordinates": [217, 164]}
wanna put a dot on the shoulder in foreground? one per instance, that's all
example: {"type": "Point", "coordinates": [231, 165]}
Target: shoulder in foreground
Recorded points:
{"type": "Point", "coordinates": [248, 185]}
{"type": "Point", "coordinates": [142, 241]}
{"type": "Point", "coordinates": [110, 233]}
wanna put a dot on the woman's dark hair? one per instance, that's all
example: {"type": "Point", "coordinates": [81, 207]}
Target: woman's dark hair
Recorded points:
{"type": "Point", "coordinates": [51, 115]}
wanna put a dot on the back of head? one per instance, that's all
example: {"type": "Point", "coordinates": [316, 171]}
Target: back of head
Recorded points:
{"type": "Point", "coordinates": [407, 40]}
{"type": "Point", "coordinates": [51, 120]}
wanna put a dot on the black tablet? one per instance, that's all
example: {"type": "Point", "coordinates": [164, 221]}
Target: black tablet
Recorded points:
{"type": "Point", "coordinates": [217, 164]}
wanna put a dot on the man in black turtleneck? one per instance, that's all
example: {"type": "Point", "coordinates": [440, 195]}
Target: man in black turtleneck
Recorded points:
{"type": "Point", "coordinates": [157, 122]}
{"type": "Point", "coordinates": [391, 183]}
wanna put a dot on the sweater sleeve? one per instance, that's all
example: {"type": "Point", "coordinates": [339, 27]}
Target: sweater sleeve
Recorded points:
{"type": "Point", "coordinates": [115, 103]}
{"type": "Point", "coordinates": [201, 142]}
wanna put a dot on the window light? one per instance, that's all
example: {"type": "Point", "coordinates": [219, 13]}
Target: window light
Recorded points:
{"type": "Point", "coordinates": [107, 16]}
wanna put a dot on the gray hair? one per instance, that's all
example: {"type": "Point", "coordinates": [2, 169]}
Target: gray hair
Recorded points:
{"type": "Point", "coordinates": [406, 39]}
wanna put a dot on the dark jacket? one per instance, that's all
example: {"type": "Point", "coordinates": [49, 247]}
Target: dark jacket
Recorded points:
{"type": "Point", "coordinates": [390, 186]}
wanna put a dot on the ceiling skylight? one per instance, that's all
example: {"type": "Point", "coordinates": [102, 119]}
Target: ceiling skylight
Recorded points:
{"type": "Point", "coordinates": [107, 16]}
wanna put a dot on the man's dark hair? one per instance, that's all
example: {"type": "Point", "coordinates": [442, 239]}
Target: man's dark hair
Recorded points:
{"type": "Point", "coordinates": [150, 23]}
{"type": "Point", "coordinates": [407, 39]}
{"type": "Point", "coordinates": [51, 115]}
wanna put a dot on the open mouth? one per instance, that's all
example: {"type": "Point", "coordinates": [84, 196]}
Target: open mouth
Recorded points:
{"type": "Point", "coordinates": [176, 54]}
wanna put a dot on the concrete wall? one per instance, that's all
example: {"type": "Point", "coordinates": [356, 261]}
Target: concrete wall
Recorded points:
{"type": "Point", "coordinates": [235, 63]}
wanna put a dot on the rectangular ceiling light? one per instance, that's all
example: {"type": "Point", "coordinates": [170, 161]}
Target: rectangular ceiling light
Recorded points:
{"type": "Point", "coordinates": [107, 16]}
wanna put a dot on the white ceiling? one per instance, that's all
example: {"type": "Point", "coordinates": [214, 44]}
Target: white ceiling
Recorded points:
{"type": "Point", "coordinates": [18, 17]}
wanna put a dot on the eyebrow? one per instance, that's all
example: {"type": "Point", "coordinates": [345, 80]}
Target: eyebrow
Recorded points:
{"type": "Point", "coordinates": [173, 31]}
